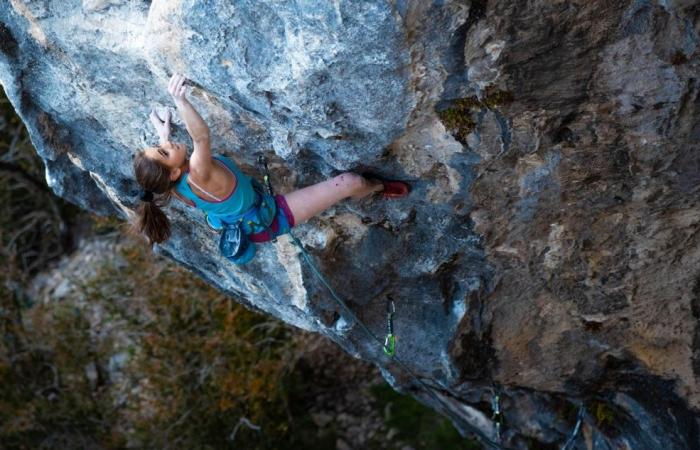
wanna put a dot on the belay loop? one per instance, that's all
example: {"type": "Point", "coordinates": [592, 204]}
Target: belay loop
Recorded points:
{"type": "Point", "coordinates": [390, 340]}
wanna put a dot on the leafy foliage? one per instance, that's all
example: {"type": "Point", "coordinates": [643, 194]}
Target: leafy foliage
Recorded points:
{"type": "Point", "coordinates": [188, 367]}
{"type": "Point", "coordinates": [35, 229]}
{"type": "Point", "coordinates": [203, 366]}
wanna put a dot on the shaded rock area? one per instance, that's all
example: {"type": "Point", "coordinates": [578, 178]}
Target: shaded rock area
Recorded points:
{"type": "Point", "coordinates": [549, 249]}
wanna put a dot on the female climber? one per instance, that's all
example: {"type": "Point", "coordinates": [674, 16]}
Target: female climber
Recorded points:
{"type": "Point", "coordinates": [215, 184]}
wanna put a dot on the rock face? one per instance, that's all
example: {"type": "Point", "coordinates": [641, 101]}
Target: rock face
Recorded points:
{"type": "Point", "coordinates": [550, 248]}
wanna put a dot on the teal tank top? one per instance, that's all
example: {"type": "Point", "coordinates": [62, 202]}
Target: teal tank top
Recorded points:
{"type": "Point", "coordinates": [236, 203]}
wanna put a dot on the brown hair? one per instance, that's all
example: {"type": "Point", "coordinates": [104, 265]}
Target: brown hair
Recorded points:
{"type": "Point", "coordinates": [153, 176]}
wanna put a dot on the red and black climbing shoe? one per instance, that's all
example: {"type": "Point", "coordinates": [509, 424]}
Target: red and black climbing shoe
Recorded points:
{"type": "Point", "coordinates": [394, 189]}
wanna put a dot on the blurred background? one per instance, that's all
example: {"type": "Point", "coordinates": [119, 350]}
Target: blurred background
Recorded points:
{"type": "Point", "coordinates": [105, 345]}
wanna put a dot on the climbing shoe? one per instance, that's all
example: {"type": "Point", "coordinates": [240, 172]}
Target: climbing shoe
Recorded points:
{"type": "Point", "coordinates": [394, 189]}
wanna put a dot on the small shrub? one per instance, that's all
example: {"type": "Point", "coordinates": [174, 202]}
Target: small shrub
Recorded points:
{"type": "Point", "coordinates": [458, 118]}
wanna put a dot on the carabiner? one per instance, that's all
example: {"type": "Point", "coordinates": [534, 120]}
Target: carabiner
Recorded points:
{"type": "Point", "coordinates": [390, 340]}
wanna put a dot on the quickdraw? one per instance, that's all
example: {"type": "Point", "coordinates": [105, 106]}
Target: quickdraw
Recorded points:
{"type": "Point", "coordinates": [266, 179]}
{"type": "Point", "coordinates": [390, 344]}
{"type": "Point", "coordinates": [496, 416]}
{"type": "Point", "coordinates": [390, 340]}
{"type": "Point", "coordinates": [266, 174]}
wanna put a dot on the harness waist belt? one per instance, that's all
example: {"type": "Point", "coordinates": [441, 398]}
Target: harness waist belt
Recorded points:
{"type": "Point", "coordinates": [251, 213]}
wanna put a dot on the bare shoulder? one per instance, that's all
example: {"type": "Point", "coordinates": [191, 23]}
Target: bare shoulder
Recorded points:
{"type": "Point", "coordinates": [202, 167]}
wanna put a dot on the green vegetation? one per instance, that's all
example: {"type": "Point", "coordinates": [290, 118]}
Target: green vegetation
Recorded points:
{"type": "Point", "coordinates": [603, 413]}
{"type": "Point", "coordinates": [209, 363]}
{"type": "Point", "coordinates": [417, 425]}
{"type": "Point", "coordinates": [195, 365]}
{"type": "Point", "coordinates": [458, 118]}
{"type": "Point", "coordinates": [495, 99]}
{"type": "Point", "coordinates": [44, 399]}
{"type": "Point", "coordinates": [34, 224]}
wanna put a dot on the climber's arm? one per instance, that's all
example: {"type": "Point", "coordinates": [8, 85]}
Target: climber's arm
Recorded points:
{"type": "Point", "coordinates": [201, 160]}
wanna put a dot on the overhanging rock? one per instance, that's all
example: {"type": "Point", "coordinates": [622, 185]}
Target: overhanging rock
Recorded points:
{"type": "Point", "coordinates": [549, 250]}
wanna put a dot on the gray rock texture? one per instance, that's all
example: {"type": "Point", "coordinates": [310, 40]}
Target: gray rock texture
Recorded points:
{"type": "Point", "coordinates": [549, 249]}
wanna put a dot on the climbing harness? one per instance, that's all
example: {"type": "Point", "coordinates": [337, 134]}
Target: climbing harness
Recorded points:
{"type": "Point", "coordinates": [234, 242]}
{"type": "Point", "coordinates": [390, 340]}
{"type": "Point", "coordinates": [581, 413]}
{"type": "Point", "coordinates": [496, 416]}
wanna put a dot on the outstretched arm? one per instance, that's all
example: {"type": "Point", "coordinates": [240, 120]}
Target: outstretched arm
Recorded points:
{"type": "Point", "coordinates": [201, 160]}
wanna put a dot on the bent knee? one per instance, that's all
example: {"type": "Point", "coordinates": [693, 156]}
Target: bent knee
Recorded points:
{"type": "Point", "coordinates": [350, 182]}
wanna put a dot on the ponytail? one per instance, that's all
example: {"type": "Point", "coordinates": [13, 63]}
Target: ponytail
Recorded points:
{"type": "Point", "coordinates": [153, 222]}
{"type": "Point", "coordinates": [154, 178]}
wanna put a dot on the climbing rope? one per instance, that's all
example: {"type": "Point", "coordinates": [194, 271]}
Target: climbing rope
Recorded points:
{"type": "Point", "coordinates": [581, 413]}
{"type": "Point", "coordinates": [389, 345]}
{"type": "Point", "coordinates": [369, 332]}
{"type": "Point", "coordinates": [262, 161]}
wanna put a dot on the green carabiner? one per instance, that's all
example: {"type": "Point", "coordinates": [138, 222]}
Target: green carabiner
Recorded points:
{"type": "Point", "coordinates": [390, 345]}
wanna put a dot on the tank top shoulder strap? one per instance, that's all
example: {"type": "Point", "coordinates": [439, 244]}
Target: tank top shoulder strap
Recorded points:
{"type": "Point", "coordinates": [231, 165]}
{"type": "Point", "coordinates": [183, 187]}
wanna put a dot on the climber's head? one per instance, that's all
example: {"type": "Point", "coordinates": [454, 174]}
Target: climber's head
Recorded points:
{"type": "Point", "coordinates": [170, 154]}
{"type": "Point", "coordinates": [156, 170]}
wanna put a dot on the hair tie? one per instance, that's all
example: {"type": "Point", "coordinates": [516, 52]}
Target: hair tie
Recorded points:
{"type": "Point", "coordinates": [146, 196]}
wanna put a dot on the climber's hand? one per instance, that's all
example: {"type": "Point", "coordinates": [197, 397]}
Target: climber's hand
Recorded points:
{"type": "Point", "coordinates": [198, 130]}
{"type": "Point", "coordinates": [177, 88]}
{"type": "Point", "coordinates": [162, 126]}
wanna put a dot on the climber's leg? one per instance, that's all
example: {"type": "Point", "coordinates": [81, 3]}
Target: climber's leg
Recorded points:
{"type": "Point", "coordinates": [311, 200]}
